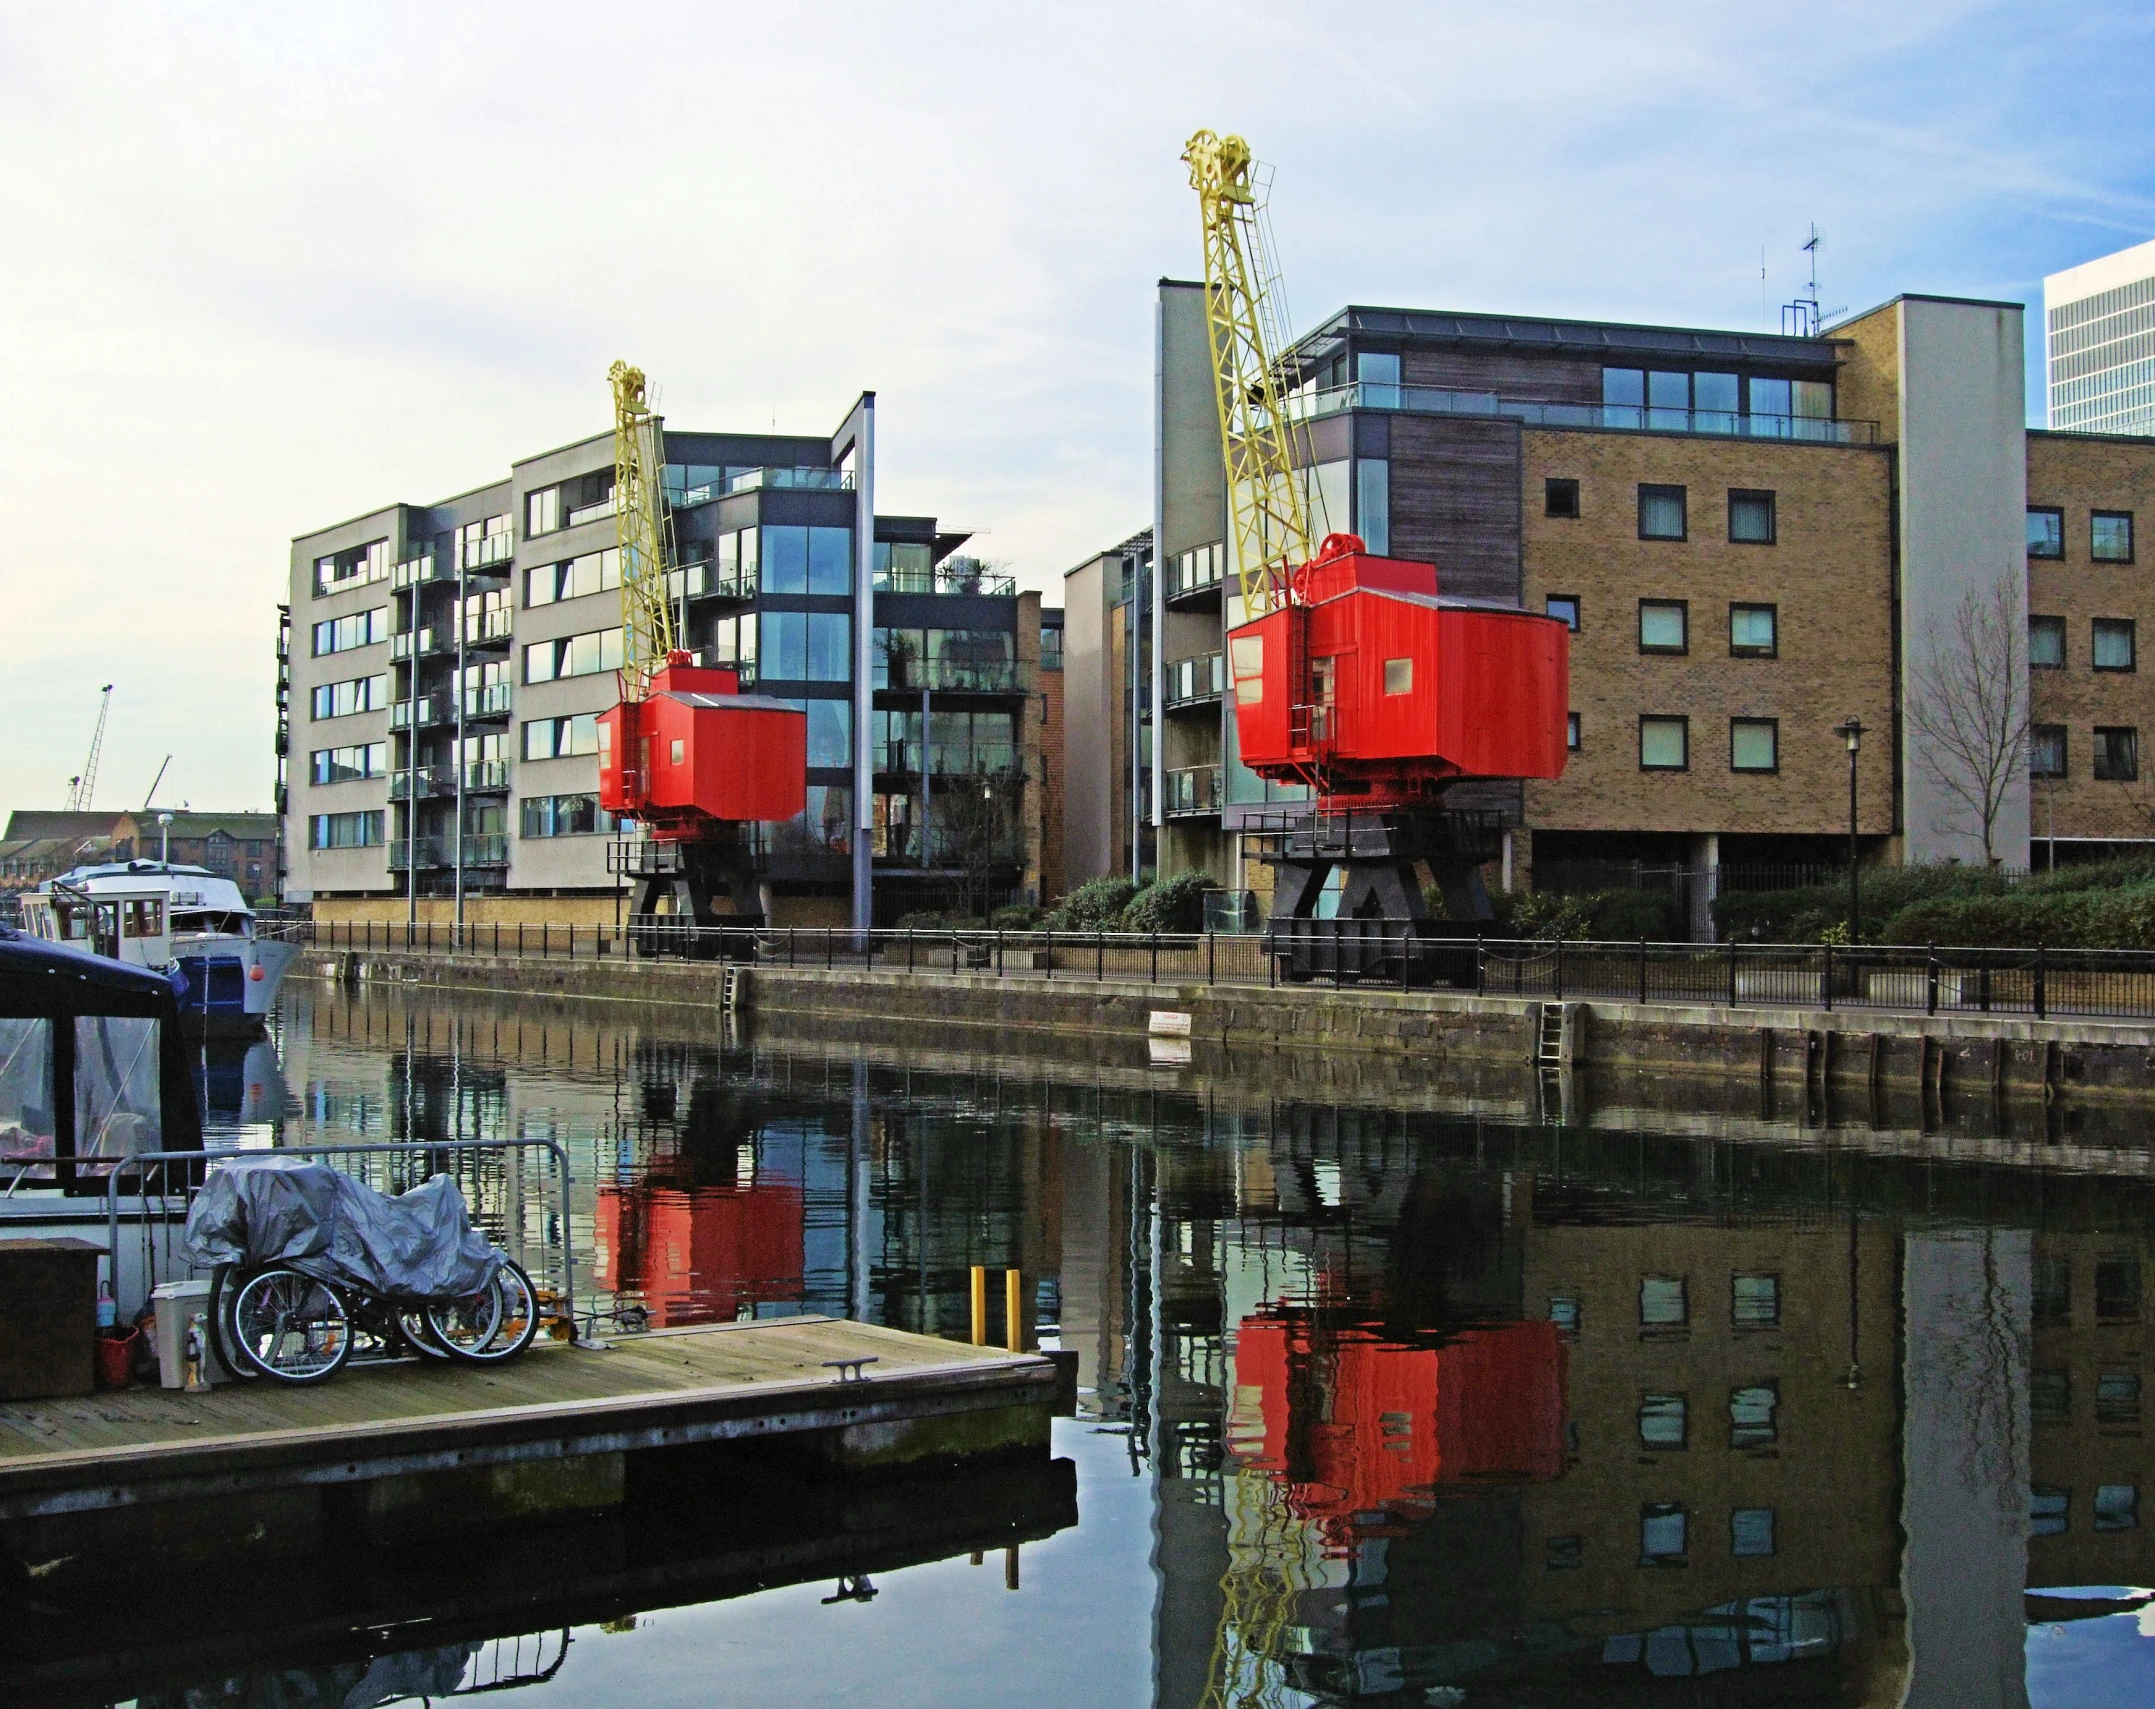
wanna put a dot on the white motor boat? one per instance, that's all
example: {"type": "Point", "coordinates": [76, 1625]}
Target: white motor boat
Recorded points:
{"type": "Point", "coordinates": [163, 917]}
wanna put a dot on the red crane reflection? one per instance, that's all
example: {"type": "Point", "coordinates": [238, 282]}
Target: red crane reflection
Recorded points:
{"type": "Point", "coordinates": [700, 1254]}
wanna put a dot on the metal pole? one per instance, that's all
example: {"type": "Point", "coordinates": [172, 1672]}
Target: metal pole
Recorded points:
{"type": "Point", "coordinates": [980, 1305]}
{"type": "Point", "coordinates": [1013, 1312]}
{"type": "Point", "coordinates": [1855, 914]}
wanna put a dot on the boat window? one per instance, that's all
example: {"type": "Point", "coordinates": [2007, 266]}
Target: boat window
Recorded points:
{"type": "Point", "coordinates": [25, 1090]}
{"type": "Point", "coordinates": [234, 924]}
{"type": "Point", "coordinates": [143, 917]}
{"type": "Point", "coordinates": [117, 1111]}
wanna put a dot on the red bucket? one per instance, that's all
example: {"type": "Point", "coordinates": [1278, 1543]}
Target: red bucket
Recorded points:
{"type": "Point", "coordinates": [116, 1358]}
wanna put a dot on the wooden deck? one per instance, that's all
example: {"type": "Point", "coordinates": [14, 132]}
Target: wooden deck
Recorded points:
{"type": "Point", "coordinates": [644, 1391]}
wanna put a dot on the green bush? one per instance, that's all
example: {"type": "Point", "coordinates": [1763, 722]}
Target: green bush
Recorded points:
{"type": "Point", "coordinates": [1607, 914]}
{"type": "Point", "coordinates": [1174, 904]}
{"type": "Point", "coordinates": [2110, 905]}
{"type": "Point", "coordinates": [1094, 906]}
{"type": "Point", "coordinates": [1016, 917]}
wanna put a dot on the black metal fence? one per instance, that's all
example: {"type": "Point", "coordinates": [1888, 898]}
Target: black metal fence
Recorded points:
{"type": "Point", "coordinates": [2119, 984]}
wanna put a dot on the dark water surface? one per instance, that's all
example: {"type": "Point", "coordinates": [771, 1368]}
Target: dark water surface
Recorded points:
{"type": "Point", "coordinates": [1401, 1397]}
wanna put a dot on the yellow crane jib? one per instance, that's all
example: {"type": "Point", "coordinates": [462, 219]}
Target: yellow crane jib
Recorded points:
{"type": "Point", "coordinates": [1268, 502]}
{"type": "Point", "coordinates": [648, 634]}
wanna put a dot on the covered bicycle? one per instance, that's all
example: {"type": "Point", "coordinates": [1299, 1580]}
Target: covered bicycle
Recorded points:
{"type": "Point", "coordinates": [308, 1262]}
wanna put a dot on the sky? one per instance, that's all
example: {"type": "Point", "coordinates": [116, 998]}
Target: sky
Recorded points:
{"type": "Point", "coordinates": [269, 267]}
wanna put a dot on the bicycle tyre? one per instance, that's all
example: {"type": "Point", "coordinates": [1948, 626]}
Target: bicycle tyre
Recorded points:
{"type": "Point", "coordinates": [263, 1308]}
{"type": "Point", "coordinates": [223, 1342]}
{"type": "Point", "coordinates": [516, 1319]}
{"type": "Point", "coordinates": [419, 1334]}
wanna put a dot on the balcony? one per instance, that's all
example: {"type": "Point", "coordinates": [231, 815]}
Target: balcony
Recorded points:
{"type": "Point", "coordinates": [489, 549]}
{"type": "Point", "coordinates": [1198, 681]}
{"type": "Point", "coordinates": [485, 777]}
{"type": "Point", "coordinates": [1629, 418]}
{"type": "Point", "coordinates": [361, 575]}
{"type": "Point", "coordinates": [488, 628]}
{"type": "Point", "coordinates": [766, 480]}
{"type": "Point", "coordinates": [425, 644]}
{"type": "Point", "coordinates": [486, 848]}
{"type": "Point", "coordinates": [941, 578]}
{"type": "Point", "coordinates": [598, 512]}
{"type": "Point", "coordinates": [705, 580]}
{"type": "Point", "coordinates": [428, 783]}
{"type": "Point", "coordinates": [404, 854]}
{"type": "Point", "coordinates": [958, 676]}
{"type": "Point", "coordinates": [489, 701]}
{"type": "Point", "coordinates": [1197, 571]}
{"type": "Point", "coordinates": [423, 713]}
{"type": "Point", "coordinates": [1195, 792]}
{"type": "Point", "coordinates": [418, 572]}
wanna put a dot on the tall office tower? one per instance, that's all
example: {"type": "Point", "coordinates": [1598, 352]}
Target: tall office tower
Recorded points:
{"type": "Point", "coordinates": [2099, 321]}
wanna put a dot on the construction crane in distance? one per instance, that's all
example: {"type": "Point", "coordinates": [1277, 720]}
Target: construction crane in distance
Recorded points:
{"type": "Point", "coordinates": [1351, 677]}
{"type": "Point", "coordinates": [83, 787]}
{"type": "Point", "coordinates": [684, 753]}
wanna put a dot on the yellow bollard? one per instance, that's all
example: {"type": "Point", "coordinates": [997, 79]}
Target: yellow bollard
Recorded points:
{"type": "Point", "coordinates": [1010, 1556]}
{"type": "Point", "coordinates": [980, 1305]}
{"type": "Point", "coordinates": [1013, 1313]}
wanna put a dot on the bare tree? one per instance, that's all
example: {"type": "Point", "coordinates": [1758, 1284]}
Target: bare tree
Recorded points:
{"type": "Point", "coordinates": [1968, 706]}
{"type": "Point", "coordinates": [975, 832]}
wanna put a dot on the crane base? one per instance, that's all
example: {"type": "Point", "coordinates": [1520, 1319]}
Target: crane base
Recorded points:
{"type": "Point", "coordinates": [676, 887]}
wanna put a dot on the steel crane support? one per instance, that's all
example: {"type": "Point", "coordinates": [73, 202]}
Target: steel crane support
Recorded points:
{"type": "Point", "coordinates": [648, 634]}
{"type": "Point", "coordinates": [1267, 500]}
{"type": "Point", "coordinates": [82, 788]}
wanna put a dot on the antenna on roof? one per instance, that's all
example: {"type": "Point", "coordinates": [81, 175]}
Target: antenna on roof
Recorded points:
{"type": "Point", "coordinates": [1800, 319]}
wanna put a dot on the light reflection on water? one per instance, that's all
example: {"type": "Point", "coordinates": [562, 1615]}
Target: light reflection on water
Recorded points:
{"type": "Point", "coordinates": [1382, 1401]}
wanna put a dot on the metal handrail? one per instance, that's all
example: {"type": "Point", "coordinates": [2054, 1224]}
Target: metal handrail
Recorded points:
{"type": "Point", "coordinates": [210, 1159]}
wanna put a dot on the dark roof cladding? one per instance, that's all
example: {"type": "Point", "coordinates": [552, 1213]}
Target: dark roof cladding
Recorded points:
{"type": "Point", "coordinates": [1568, 337]}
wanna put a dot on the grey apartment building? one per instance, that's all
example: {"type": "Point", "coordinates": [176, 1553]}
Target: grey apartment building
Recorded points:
{"type": "Point", "coordinates": [447, 663]}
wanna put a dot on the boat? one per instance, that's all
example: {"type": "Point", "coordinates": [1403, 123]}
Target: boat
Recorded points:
{"type": "Point", "coordinates": [169, 918]}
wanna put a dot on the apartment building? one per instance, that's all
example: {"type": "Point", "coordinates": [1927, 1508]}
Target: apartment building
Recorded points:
{"type": "Point", "coordinates": [1754, 538]}
{"type": "Point", "coordinates": [448, 662]}
{"type": "Point", "coordinates": [2099, 343]}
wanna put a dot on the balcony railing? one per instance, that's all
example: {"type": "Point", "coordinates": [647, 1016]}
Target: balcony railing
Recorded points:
{"type": "Point", "coordinates": [958, 676]}
{"type": "Point", "coordinates": [364, 575]}
{"type": "Point", "coordinates": [1196, 571]}
{"type": "Point", "coordinates": [423, 852]}
{"type": "Point", "coordinates": [489, 701]}
{"type": "Point", "coordinates": [798, 479]}
{"type": "Point", "coordinates": [705, 580]}
{"type": "Point", "coordinates": [428, 709]}
{"type": "Point", "coordinates": [1196, 681]}
{"type": "Point", "coordinates": [483, 628]}
{"type": "Point", "coordinates": [1195, 792]}
{"type": "Point", "coordinates": [417, 572]}
{"type": "Point", "coordinates": [584, 513]}
{"type": "Point", "coordinates": [941, 578]}
{"type": "Point", "coordinates": [424, 644]}
{"type": "Point", "coordinates": [485, 777]}
{"type": "Point", "coordinates": [428, 783]}
{"type": "Point", "coordinates": [1635, 418]}
{"type": "Point", "coordinates": [486, 848]}
{"type": "Point", "coordinates": [489, 549]}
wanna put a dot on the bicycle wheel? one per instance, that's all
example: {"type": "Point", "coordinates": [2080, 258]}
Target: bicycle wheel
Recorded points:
{"type": "Point", "coordinates": [517, 1323]}
{"type": "Point", "coordinates": [419, 1336]}
{"type": "Point", "coordinates": [290, 1326]}
{"type": "Point", "coordinates": [223, 1342]}
{"type": "Point", "coordinates": [463, 1328]}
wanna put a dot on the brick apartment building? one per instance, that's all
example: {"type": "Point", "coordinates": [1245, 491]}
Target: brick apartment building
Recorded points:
{"type": "Point", "coordinates": [40, 844]}
{"type": "Point", "coordinates": [1754, 537]}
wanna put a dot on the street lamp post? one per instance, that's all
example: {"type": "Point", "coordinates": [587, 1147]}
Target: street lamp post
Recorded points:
{"type": "Point", "coordinates": [1852, 733]}
{"type": "Point", "coordinates": [164, 832]}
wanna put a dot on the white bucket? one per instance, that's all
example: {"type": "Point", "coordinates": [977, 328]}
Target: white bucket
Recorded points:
{"type": "Point", "coordinates": [177, 1304]}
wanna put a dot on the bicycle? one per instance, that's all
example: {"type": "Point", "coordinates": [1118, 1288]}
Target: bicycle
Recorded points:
{"type": "Point", "coordinates": [276, 1321]}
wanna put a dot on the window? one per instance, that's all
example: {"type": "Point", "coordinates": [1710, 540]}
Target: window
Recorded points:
{"type": "Point", "coordinates": [1663, 1303]}
{"type": "Point", "coordinates": [561, 738]}
{"type": "Point", "coordinates": [1754, 744]}
{"type": "Point", "coordinates": [1051, 649]}
{"type": "Point", "coordinates": [1662, 1421]}
{"type": "Point", "coordinates": [1751, 518]}
{"type": "Point", "coordinates": [1664, 625]}
{"type": "Point", "coordinates": [1668, 399]}
{"type": "Point", "coordinates": [2046, 532]}
{"type": "Point", "coordinates": [2110, 536]}
{"type": "Point", "coordinates": [1753, 631]}
{"type": "Point", "coordinates": [2112, 649]}
{"type": "Point", "coordinates": [1571, 731]}
{"type": "Point", "coordinates": [1398, 676]}
{"type": "Point", "coordinates": [2117, 1397]}
{"type": "Point", "coordinates": [1662, 1535]}
{"type": "Point", "coordinates": [1564, 607]}
{"type": "Point", "coordinates": [808, 646]}
{"type": "Point", "coordinates": [2117, 1290]}
{"type": "Point", "coordinates": [679, 753]}
{"type": "Point", "coordinates": [345, 830]}
{"type": "Point", "coordinates": [2046, 750]}
{"type": "Point", "coordinates": [347, 765]}
{"type": "Point", "coordinates": [1246, 660]}
{"type": "Point", "coordinates": [542, 511]}
{"type": "Point", "coordinates": [2046, 643]}
{"type": "Point", "coordinates": [573, 655]}
{"type": "Point", "coordinates": [830, 732]}
{"type": "Point", "coordinates": [2050, 1397]}
{"type": "Point", "coordinates": [807, 560]}
{"type": "Point", "coordinates": [1664, 744]}
{"type": "Point", "coordinates": [2053, 1293]}
{"type": "Point", "coordinates": [1750, 1531]}
{"type": "Point", "coordinates": [341, 699]}
{"type": "Point", "coordinates": [1561, 498]}
{"type": "Point", "coordinates": [1565, 1553]}
{"type": "Point", "coordinates": [2049, 1510]}
{"type": "Point", "coordinates": [594, 572]}
{"type": "Point", "coordinates": [1373, 503]}
{"type": "Point", "coordinates": [1714, 396]}
{"type": "Point", "coordinates": [1661, 513]}
{"type": "Point", "coordinates": [566, 816]}
{"type": "Point", "coordinates": [1755, 1302]}
{"type": "Point", "coordinates": [1751, 1415]}
{"type": "Point", "coordinates": [1564, 1313]}
{"type": "Point", "coordinates": [2117, 1507]}
{"type": "Point", "coordinates": [2117, 754]}
{"type": "Point", "coordinates": [360, 629]}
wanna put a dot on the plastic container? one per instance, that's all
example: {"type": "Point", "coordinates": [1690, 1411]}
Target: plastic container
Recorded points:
{"type": "Point", "coordinates": [116, 1358]}
{"type": "Point", "coordinates": [177, 1304]}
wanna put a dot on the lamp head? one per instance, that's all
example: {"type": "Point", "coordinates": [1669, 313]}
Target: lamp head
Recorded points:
{"type": "Point", "coordinates": [164, 818]}
{"type": "Point", "coordinates": [1852, 734]}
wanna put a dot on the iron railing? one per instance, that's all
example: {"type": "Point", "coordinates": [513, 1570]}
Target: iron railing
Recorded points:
{"type": "Point", "coordinates": [2041, 983]}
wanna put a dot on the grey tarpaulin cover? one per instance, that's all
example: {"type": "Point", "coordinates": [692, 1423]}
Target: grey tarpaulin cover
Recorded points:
{"type": "Point", "coordinates": [418, 1245]}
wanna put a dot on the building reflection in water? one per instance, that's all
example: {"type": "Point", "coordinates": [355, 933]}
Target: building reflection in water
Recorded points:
{"type": "Point", "coordinates": [1434, 1410]}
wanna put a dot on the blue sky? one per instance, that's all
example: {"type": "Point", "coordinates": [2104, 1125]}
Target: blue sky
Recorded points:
{"type": "Point", "coordinates": [276, 266]}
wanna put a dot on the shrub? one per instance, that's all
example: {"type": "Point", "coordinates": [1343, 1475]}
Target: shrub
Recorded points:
{"type": "Point", "coordinates": [1093, 906]}
{"type": "Point", "coordinates": [1174, 904]}
{"type": "Point", "coordinates": [1016, 917]}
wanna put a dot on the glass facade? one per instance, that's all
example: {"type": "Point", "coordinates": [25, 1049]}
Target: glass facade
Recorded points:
{"type": "Point", "coordinates": [2101, 353]}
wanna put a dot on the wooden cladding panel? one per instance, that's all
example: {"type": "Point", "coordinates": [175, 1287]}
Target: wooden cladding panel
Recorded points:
{"type": "Point", "coordinates": [1511, 374]}
{"type": "Point", "coordinates": [1455, 502]}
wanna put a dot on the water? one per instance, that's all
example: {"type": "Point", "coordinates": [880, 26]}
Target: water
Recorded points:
{"type": "Point", "coordinates": [1389, 1394]}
